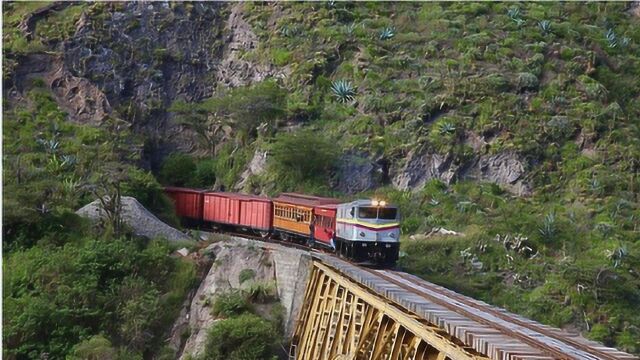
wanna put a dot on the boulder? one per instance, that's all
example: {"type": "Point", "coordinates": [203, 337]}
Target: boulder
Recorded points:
{"type": "Point", "coordinates": [138, 218]}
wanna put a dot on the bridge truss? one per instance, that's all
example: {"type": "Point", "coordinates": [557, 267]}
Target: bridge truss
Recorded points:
{"type": "Point", "coordinates": [342, 319]}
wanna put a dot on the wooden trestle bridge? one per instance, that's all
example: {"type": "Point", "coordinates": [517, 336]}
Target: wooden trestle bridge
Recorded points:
{"type": "Point", "coordinates": [351, 312]}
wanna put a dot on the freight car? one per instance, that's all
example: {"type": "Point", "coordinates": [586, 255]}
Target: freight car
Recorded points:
{"type": "Point", "coordinates": [365, 231]}
{"type": "Point", "coordinates": [238, 211]}
{"type": "Point", "coordinates": [188, 204]}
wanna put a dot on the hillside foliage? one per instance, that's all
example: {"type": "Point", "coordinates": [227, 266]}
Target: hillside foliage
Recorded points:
{"type": "Point", "coordinates": [555, 84]}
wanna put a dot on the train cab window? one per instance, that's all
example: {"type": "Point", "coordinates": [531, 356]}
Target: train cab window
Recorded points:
{"type": "Point", "coordinates": [367, 212]}
{"type": "Point", "coordinates": [387, 213]}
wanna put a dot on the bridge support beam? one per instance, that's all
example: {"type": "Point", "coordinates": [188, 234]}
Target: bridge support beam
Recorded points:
{"type": "Point", "coordinates": [341, 319]}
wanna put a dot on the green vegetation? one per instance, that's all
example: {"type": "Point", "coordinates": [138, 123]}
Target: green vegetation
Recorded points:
{"type": "Point", "coordinates": [291, 154]}
{"type": "Point", "coordinates": [343, 90]}
{"type": "Point", "coordinates": [552, 83]}
{"type": "Point", "coordinates": [71, 289]}
{"type": "Point", "coordinates": [245, 275]}
{"type": "Point", "coordinates": [58, 296]}
{"type": "Point", "coordinates": [242, 333]}
{"type": "Point", "coordinates": [558, 262]}
{"type": "Point", "coordinates": [245, 337]}
{"type": "Point", "coordinates": [231, 303]}
{"type": "Point", "coordinates": [237, 112]}
{"type": "Point", "coordinates": [555, 84]}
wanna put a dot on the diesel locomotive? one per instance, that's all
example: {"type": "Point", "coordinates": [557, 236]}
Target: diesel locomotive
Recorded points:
{"type": "Point", "coordinates": [363, 231]}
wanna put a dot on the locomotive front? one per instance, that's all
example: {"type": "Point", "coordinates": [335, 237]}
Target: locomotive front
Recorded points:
{"type": "Point", "coordinates": [368, 231]}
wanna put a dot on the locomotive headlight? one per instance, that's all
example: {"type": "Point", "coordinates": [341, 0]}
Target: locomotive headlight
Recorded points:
{"type": "Point", "coordinates": [383, 203]}
{"type": "Point", "coordinates": [392, 235]}
{"type": "Point", "coordinates": [362, 234]}
{"type": "Point", "coordinates": [374, 202]}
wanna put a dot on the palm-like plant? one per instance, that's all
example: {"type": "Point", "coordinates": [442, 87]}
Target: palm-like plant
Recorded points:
{"type": "Point", "coordinates": [617, 255]}
{"type": "Point", "coordinates": [343, 90]}
{"type": "Point", "coordinates": [545, 26]}
{"type": "Point", "coordinates": [513, 13]}
{"type": "Point", "coordinates": [612, 39]}
{"type": "Point", "coordinates": [49, 145]}
{"type": "Point", "coordinates": [447, 128]}
{"type": "Point", "coordinates": [625, 41]}
{"type": "Point", "coordinates": [387, 33]}
{"type": "Point", "coordinates": [548, 229]}
{"type": "Point", "coordinates": [290, 31]}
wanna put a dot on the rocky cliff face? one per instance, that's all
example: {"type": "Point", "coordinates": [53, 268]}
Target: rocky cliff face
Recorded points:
{"type": "Point", "coordinates": [133, 60]}
{"type": "Point", "coordinates": [286, 268]}
{"type": "Point", "coordinates": [505, 169]}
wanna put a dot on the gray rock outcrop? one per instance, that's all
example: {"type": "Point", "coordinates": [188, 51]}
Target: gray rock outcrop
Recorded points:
{"type": "Point", "coordinates": [357, 173]}
{"type": "Point", "coordinates": [138, 218]}
{"type": "Point", "coordinates": [286, 267]}
{"type": "Point", "coordinates": [506, 169]}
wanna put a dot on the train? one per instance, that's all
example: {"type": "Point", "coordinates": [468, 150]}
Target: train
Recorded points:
{"type": "Point", "coordinates": [365, 231]}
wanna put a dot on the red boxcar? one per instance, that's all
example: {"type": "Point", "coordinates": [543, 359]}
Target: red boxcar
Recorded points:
{"type": "Point", "coordinates": [324, 226]}
{"type": "Point", "coordinates": [188, 202]}
{"type": "Point", "coordinates": [249, 211]}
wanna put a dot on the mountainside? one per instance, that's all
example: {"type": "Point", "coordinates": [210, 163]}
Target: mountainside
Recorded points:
{"type": "Point", "coordinates": [515, 125]}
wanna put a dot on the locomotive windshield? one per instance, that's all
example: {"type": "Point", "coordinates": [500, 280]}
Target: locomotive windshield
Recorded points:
{"type": "Point", "coordinates": [367, 212]}
{"type": "Point", "coordinates": [387, 213]}
{"type": "Point", "coordinates": [377, 213]}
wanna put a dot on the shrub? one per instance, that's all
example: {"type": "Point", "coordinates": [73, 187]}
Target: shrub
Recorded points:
{"type": "Point", "coordinates": [527, 81]}
{"type": "Point", "coordinates": [497, 82]}
{"type": "Point", "coordinates": [290, 154]}
{"type": "Point", "coordinates": [177, 169]}
{"type": "Point", "coordinates": [262, 292]}
{"type": "Point", "coordinates": [246, 274]}
{"type": "Point", "coordinates": [230, 304]}
{"type": "Point", "coordinates": [205, 174]}
{"type": "Point", "coordinates": [95, 348]}
{"type": "Point", "coordinates": [56, 296]}
{"type": "Point", "coordinates": [246, 337]}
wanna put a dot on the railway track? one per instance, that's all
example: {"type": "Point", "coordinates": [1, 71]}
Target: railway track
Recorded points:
{"type": "Point", "coordinates": [548, 340]}
{"type": "Point", "coordinates": [507, 335]}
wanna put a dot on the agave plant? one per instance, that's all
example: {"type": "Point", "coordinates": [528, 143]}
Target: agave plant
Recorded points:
{"type": "Point", "coordinates": [617, 255]}
{"type": "Point", "coordinates": [545, 26]}
{"type": "Point", "coordinates": [387, 33]}
{"type": "Point", "coordinates": [625, 41]}
{"type": "Point", "coordinates": [68, 160]}
{"type": "Point", "coordinates": [49, 145]}
{"type": "Point", "coordinates": [350, 29]}
{"type": "Point", "coordinates": [290, 31]}
{"type": "Point", "coordinates": [69, 185]}
{"type": "Point", "coordinates": [548, 229]}
{"type": "Point", "coordinates": [605, 228]}
{"type": "Point", "coordinates": [595, 186]}
{"type": "Point", "coordinates": [514, 13]}
{"type": "Point", "coordinates": [343, 90]}
{"type": "Point", "coordinates": [447, 128]}
{"type": "Point", "coordinates": [612, 39]}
